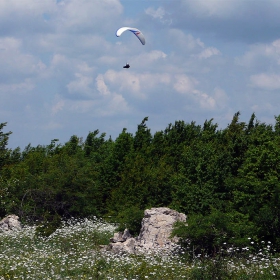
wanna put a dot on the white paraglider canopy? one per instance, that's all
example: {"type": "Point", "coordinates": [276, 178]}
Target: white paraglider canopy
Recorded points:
{"type": "Point", "coordinates": [136, 31]}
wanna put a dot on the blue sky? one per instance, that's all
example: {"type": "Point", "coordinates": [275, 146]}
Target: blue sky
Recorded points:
{"type": "Point", "coordinates": [61, 65]}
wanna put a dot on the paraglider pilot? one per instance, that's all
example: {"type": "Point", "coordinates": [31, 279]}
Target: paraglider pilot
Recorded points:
{"type": "Point", "coordinates": [136, 32]}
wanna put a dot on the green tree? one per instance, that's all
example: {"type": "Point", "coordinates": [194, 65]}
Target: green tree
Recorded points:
{"type": "Point", "coordinates": [4, 151]}
{"type": "Point", "coordinates": [143, 137]}
{"type": "Point", "coordinates": [257, 188]}
{"type": "Point", "coordinates": [209, 234]}
{"type": "Point", "coordinates": [204, 166]}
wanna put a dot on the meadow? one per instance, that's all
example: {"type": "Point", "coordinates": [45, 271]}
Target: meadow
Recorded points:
{"type": "Point", "coordinates": [73, 251]}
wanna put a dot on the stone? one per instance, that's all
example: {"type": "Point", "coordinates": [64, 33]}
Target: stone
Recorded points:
{"type": "Point", "coordinates": [117, 237]}
{"type": "Point", "coordinates": [157, 226]}
{"type": "Point", "coordinates": [128, 246]}
{"type": "Point", "coordinates": [155, 234]}
{"type": "Point", "coordinates": [121, 237]}
{"type": "Point", "coordinates": [11, 222]}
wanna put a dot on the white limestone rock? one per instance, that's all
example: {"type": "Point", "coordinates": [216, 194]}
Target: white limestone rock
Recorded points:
{"type": "Point", "coordinates": [156, 229]}
{"type": "Point", "coordinates": [11, 222]}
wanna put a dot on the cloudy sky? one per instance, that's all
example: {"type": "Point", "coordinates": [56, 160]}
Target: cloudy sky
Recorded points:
{"type": "Point", "coordinates": [61, 65]}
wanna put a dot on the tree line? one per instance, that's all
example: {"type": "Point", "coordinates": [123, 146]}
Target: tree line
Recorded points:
{"type": "Point", "coordinates": [225, 180]}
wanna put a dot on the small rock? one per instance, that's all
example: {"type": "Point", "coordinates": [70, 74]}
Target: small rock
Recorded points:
{"type": "Point", "coordinates": [11, 222]}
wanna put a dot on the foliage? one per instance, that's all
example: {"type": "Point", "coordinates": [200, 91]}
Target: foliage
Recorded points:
{"type": "Point", "coordinates": [225, 180]}
{"type": "Point", "coordinates": [130, 218]}
{"type": "Point", "coordinates": [4, 151]}
{"type": "Point", "coordinates": [208, 235]}
{"type": "Point", "coordinates": [48, 226]}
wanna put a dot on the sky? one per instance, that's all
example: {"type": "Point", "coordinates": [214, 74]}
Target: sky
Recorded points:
{"type": "Point", "coordinates": [61, 65]}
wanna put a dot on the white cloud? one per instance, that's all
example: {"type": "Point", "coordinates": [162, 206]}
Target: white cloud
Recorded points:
{"type": "Point", "coordinates": [25, 8]}
{"type": "Point", "coordinates": [212, 8]}
{"type": "Point", "coordinates": [18, 88]}
{"type": "Point", "coordinates": [220, 97]}
{"type": "Point", "coordinates": [14, 61]}
{"type": "Point", "coordinates": [155, 55]}
{"type": "Point", "coordinates": [188, 86]}
{"type": "Point", "coordinates": [59, 59]}
{"type": "Point", "coordinates": [71, 15]}
{"type": "Point", "coordinates": [260, 53]}
{"type": "Point", "coordinates": [124, 81]}
{"type": "Point", "coordinates": [52, 125]}
{"type": "Point", "coordinates": [101, 86]}
{"type": "Point", "coordinates": [58, 106]}
{"type": "Point", "coordinates": [208, 52]}
{"type": "Point", "coordinates": [81, 15]}
{"type": "Point", "coordinates": [131, 84]}
{"type": "Point", "coordinates": [266, 81]}
{"type": "Point", "coordinates": [152, 81]}
{"type": "Point", "coordinates": [155, 13]}
{"type": "Point", "coordinates": [189, 45]}
{"type": "Point", "coordinates": [262, 64]}
{"type": "Point", "coordinates": [228, 20]}
{"type": "Point", "coordinates": [205, 101]}
{"type": "Point", "coordinates": [81, 84]}
{"type": "Point", "coordinates": [184, 42]}
{"type": "Point", "coordinates": [83, 80]}
{"type": "Point", "coordinates": [159, 14]}
{"type": "Point", "coordinates": [116, 104]}
{"type": "Point", "coordinates": [80, 106]}
{"type": "Point", "coordinates": [184, 84]}
{"type": "Point", "coordinates": [10, 44]}
{"type": "Point", "coordinates": [113, 104]}
{"type": "Point", "coordinates": [145, 59]}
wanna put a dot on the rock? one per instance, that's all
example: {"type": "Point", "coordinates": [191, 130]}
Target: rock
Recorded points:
{"type": "Point", "coordinates": [156, 228]}
{"type": "Point", "coordinates": [11, 222]}
{"type": "Point", "coordinates": [126, 234]}
{"type": "Point", "coordinates": [121, 237]}
{"type": "Point", "coordinates": [128, 246]}
{"type": "Point", "coordinates": [117, 237]}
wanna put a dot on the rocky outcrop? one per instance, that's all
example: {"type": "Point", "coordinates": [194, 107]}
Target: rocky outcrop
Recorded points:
{"type": "Point", "coordinates": [11, 222]}
{"type": "Point", "coordinates": [156, 229]}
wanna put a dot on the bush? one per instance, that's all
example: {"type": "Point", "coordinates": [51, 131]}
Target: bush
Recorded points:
{"type": "Point", "coordinates": [131, 219]}
{"type": "Point", "coordinates": [48, 226]}
{"type": "Point", "coordinates": [208, 235]}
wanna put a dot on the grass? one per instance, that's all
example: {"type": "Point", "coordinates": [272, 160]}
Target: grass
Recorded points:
{"type": "Point", "coordinates": [73, 252]}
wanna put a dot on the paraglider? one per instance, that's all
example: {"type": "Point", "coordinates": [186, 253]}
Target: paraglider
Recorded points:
{"type": "Point", "coordinates": [136, 32]}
